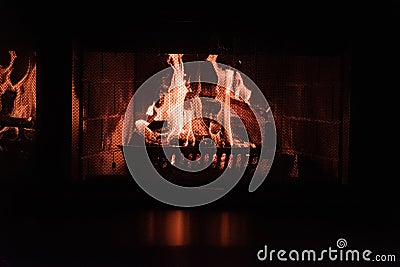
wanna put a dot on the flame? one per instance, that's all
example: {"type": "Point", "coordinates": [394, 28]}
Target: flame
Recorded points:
{"type": "Point", "coordinates": [25, 102]}
{"type": "Point", "coordinates": [5, 74]}
{"type": "Point", "coordinates": [231, 85]}
{"type": "Point", "coordinates": [22, 94]}
{"type": "Point", "coordinates": [174, 99]}
{"type": "Point", "coordinates": [181, 107]}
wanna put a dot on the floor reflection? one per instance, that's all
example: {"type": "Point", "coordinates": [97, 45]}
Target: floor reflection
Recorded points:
{"type": "Point", "coordinates": [169, 228]}
{"type": "Point", "coordinates": [190, 228]}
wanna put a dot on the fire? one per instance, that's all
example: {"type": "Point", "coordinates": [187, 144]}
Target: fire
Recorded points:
{"type": "Point", "coordinates": [181, 107]}
{"type": "Point", "coordinates": [173, 101]}
{"type": "Point", "coordinates": [225, 79]}
{"type": "Point", "coordinates": [18, 100]}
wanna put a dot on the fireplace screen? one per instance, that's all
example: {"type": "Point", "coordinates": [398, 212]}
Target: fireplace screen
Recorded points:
{"type": "Point", "coordinates": [308, 97]}
{"type": "Point", "coordinates": [17, 110]}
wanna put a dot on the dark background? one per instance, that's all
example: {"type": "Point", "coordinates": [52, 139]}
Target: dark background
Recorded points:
{"type": "Point", "coordinates": [48, 219]}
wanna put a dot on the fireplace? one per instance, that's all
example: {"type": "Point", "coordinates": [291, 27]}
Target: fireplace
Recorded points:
{"type": "Point", "coordinates": [308, 96]}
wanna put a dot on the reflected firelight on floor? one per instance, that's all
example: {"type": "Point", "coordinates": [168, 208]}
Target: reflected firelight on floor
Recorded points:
{"type": "Point", "coordinates": [177, 228]}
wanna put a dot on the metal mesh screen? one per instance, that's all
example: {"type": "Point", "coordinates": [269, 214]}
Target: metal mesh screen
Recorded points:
{"type": "Point", "coordinates": [305, 93]}
{"type": "Point", "coordinates": [307, 96]}
{"type": "Point", "coordinates": [107, 85]}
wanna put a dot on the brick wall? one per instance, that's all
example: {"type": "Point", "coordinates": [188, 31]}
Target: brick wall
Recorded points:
{"type": "Point", "coordinates": [306, 95]}
{"type": "Point", "coordinates": [107, 87]}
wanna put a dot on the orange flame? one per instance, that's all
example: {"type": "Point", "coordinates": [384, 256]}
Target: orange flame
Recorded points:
{"type": "Point", "coordinates": [25, 101]}
{"type": "Point", "coordinates": [174, 99]}
{"type": "Point", "coordinates": [24, 105]}
{"type": "Point", "coordinates": [182, 107]}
